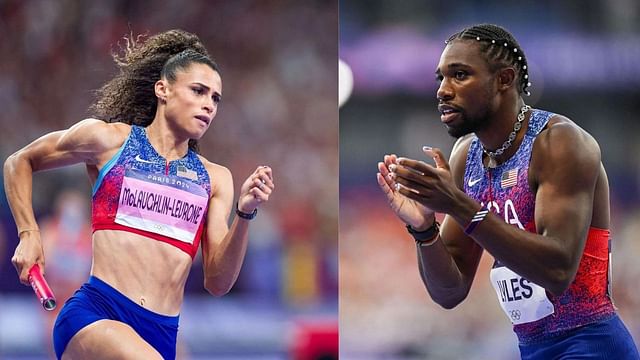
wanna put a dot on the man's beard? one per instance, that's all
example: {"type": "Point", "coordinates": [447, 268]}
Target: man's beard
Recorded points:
{"type": "Point", "coordinates": [469, 124]}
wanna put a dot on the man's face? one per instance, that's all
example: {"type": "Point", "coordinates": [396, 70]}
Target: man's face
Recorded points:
{"type": "Point", "coordinates": [467, 88]}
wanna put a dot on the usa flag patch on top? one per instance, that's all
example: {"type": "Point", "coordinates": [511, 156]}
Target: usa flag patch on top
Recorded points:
{"type": "Point", "coordinates": [182, 171]}
{"type": "Point", "coordinates": [509, 178]}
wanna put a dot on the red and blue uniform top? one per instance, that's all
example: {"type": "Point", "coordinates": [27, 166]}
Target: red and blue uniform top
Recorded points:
{"type": "Point", "coordinates": [138, 191]}
{"type": "Point", "coordinates": [537, 314]}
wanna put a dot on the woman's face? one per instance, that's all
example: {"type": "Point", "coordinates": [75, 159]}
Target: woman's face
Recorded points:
{"type": "Point", "coordinates": [192, 100]}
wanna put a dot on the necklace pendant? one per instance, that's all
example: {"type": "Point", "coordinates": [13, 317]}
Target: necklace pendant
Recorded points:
{"type": "Point", "coordinates": [492, 164]}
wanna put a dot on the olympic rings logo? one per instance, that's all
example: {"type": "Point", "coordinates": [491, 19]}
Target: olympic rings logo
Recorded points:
{"type": "Point", "coordinates": [515, 315]}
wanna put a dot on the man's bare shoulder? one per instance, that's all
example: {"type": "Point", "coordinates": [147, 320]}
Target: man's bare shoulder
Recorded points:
{"type": "Point", "coordinates": [460, 150]}
{"type": "Point", "coordinates": [563, 134]}
{"type": "Point", "coordinates": [564, 144]}
{"type": "Point", "coordinates": [461, 146]}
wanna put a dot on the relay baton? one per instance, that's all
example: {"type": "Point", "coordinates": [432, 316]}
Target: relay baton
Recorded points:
{"type": "Point", "coordinates": [41, 288]}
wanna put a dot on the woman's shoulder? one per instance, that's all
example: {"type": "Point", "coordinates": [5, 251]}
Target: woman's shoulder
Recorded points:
{"type": "Point", "coordinates": [220, 176]}
{"type": "Point", "coordinates": [91, 139]}
{"type": "Point", "coordinates": [97, 135]}
{"type": "Point", "coordinates": [102, 128]}
{"type": "Point", "coordinates": [113, 126]}
{"type": "Point", "coordinates": [215, 170]}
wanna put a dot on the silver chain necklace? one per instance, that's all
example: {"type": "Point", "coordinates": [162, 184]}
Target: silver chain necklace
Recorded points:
{"type": "Point", "coordinates": [493, 163]}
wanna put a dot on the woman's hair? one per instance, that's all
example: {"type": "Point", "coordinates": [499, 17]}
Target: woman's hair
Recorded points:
{"type": "Point", "coordinates": [130, 96]}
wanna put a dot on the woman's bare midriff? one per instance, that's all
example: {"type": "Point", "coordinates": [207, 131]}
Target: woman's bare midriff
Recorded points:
{"type": "Point", "coordinates": [149, 272]}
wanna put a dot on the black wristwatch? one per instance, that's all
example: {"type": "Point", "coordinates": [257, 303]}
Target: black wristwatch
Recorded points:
{"type": "Point", "coordinates": [244, 215]}
{"type": "Point", "coordinates": [425, 236]}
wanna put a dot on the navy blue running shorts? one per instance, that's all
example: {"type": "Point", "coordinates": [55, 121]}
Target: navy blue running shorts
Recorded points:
{"type": "Point", "coordinates": [97, 300]}
{"type": "Point", "coordinates": [606, 339]}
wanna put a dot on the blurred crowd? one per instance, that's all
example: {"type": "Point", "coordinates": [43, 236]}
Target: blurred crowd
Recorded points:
{"type": "Point", "coordinates": [278, 64]}
{"type": "Point", "coordinates": [582, 67]}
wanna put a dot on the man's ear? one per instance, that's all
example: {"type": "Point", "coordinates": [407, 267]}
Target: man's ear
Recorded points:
{"type": "Point", "coordinates": [161, 90]}
{"type": "Point", "coordinates": [506, 78]}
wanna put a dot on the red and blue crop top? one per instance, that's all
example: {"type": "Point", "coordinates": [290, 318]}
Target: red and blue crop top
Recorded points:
{"type": "Point", "coordinates": [138, 191]}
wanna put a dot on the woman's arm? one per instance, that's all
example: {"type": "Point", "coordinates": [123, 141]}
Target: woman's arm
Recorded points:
{"type": "Point", "coordinates": [83, 142]}
{"type": "Point", "coordinates": [224, 248]}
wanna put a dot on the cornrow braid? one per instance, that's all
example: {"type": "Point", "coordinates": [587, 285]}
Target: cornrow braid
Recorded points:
{"type": "Point", "coordinates": [501, 48]}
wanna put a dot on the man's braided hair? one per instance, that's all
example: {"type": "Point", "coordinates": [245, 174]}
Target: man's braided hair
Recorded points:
{"type": "Point", "coordinates": [501, 48]}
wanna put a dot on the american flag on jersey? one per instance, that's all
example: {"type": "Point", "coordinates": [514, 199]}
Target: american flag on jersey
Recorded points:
{"type": "Point", "coordinates": [509, 178]}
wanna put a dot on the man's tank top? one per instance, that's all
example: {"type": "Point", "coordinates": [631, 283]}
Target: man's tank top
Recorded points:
{"type": "Point", "coordinates": [535, 313]}
{"type": "Point", "coordinates": [138, 191]}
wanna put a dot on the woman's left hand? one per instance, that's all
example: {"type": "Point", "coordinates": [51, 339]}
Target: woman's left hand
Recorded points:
{"type": "Point", "coordinates": [256, 189]}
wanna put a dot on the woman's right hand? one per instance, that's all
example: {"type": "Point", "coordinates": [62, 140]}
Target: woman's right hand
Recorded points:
{"type": "Point", "coordinates": [411, 212]}
{"type": "Point", "coordinates": [28, 252]}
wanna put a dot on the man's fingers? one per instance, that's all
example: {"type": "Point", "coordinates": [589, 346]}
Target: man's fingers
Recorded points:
{"type": "Point", "coordinates": [419, 167]}
{"type": "Point", "coordinates": [388, 186]}
{"type": "Point", "coordinates": [437, 156]}
{"type": "Point", "coordinates": [386, 174]}
{"type": "Point", "coordinates": [384, 185]}
{"type": "Point", "coordinates": [401, 171]}
{"type": "Point", "coordinates": [382, 168]}
{"type": "Point", "coordinates": [410, 194]}
{"type": "Point", "coordinates": [412, 185]}
{"type": "Point", "coordinates": [387, 189]}
{"type": "Point", "coordinates": [390, 159]}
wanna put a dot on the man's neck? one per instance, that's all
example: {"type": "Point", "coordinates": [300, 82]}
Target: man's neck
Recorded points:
{"type": "Point", "coordinates": [502, 125]}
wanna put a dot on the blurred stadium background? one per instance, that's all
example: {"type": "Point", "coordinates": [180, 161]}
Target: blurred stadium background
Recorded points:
{"type": "Point", "coordinates": [583, 57]}
{"type": "Point", "coordinates": [279, 74]}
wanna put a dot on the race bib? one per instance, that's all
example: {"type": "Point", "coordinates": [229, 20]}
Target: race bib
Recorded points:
{"type": "Point", "coordinates": [163, 204]}
{"type": "Point", "coordinates": [522, 300]}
